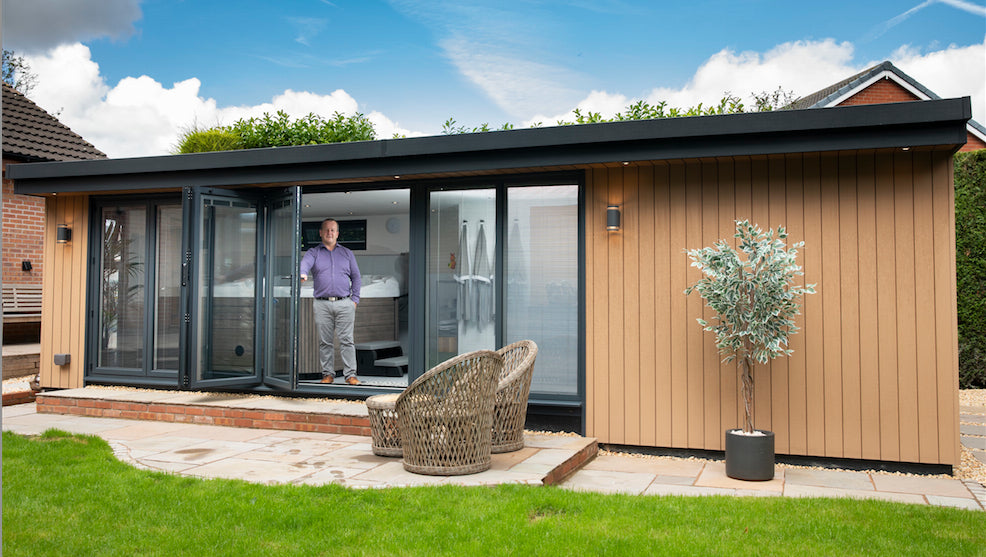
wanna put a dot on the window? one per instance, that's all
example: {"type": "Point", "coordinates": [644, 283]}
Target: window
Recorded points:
{"type": "Point", "coordinates": [137, 288]}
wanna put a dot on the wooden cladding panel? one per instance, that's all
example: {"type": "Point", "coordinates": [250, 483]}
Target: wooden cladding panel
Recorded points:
{"type": "Point", "coordinates": [64, 293]}
{"type": "Point", "coordinates": [873, 374]}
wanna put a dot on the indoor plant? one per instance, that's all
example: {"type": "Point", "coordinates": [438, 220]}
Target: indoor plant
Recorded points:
{"type": "Point", "coordinates": [755, 300]}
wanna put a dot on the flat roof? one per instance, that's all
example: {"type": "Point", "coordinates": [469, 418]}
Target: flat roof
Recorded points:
{"type": "Point", "coordinates": [936, 123]}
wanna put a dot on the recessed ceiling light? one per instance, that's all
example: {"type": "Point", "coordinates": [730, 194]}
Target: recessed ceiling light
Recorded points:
{"type": "Point", "coordinates": [397, 176]}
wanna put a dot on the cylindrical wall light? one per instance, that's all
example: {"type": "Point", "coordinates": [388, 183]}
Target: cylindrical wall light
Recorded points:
{"type": "Point", "coordinates": [613, 217]}
{"type": "Point", "coordinates": [63, 234]}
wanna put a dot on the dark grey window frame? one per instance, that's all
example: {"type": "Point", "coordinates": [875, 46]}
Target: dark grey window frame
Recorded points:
{"type": "Point", "coordinates": [146, 375]}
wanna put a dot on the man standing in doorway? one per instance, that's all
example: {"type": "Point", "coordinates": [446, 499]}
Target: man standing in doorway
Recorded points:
{"type": "Point", "coordinates": [337, 284]}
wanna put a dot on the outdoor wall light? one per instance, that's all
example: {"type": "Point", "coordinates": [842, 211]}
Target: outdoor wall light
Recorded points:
{"type": "Point", "coordinates": [64, 234]}
{"type": "Point", "coordinates": [613, 217]}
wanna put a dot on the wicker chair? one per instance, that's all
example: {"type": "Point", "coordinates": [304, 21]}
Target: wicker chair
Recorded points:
{"type": "Point", "coordinates": [510, 401]}
{"type": "Point", "coordinates": [445, 416]}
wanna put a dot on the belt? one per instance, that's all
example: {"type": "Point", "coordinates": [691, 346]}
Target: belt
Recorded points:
{"type": "Point", "coordinates": [331, 298]}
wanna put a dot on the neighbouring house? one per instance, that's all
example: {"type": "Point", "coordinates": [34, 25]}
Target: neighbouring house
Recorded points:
{"type": "Point", "coordinates": [29, 135]}
{"type": "Point", "coordinates": [883, 83]}
{"type": "Point", "coordinates": [182, 271]}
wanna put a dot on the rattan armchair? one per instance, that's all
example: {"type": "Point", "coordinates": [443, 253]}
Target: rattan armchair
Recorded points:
{"type": "Point", "coordinates": [510, 401]}
{"type": "Point", "coordinates": [445, 417]}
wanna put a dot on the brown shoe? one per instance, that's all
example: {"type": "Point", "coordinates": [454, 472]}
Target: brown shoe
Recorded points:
{"type": "Point", "coordinates": [327, 379]}
{"type": "Point", "coordinates": [352, 381]}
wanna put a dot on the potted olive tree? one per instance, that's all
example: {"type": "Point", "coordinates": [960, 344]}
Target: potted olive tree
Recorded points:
{"type": "Point", "coordinates": [752, 292]}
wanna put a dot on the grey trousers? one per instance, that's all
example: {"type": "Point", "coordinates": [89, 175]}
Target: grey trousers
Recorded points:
{"type": "Point", "coordinates": [331, 319]}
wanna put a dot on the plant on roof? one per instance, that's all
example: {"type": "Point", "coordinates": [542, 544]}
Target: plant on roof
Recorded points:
{"type": "Point", "coordinates": [278, 130]}
{"type": "Point", "coordinates": [753, 293]}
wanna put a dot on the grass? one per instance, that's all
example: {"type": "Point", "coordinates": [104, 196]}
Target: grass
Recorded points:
{"type": "Point", "coordinates": [67, 494]}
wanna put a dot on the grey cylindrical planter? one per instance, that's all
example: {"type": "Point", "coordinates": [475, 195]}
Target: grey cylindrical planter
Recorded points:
{"type": "Point", "coordinates": [750, 457]}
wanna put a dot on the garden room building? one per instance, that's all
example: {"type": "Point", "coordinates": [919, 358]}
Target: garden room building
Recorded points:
{"type": "Point", "coordinates": [182, 271]}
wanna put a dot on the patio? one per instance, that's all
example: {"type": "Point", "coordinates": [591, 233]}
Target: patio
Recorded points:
{"type": "Point", "coordinates": [296, 447]}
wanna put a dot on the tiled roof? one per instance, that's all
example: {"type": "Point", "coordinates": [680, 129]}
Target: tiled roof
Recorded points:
{"type": "Point", "coordinates": [31, 134]}
{"type": "Point", "coordinates": [820, 98]}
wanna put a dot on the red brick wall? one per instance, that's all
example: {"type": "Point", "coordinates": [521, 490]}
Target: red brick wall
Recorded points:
{"type": "Point", "coordinates": [973, 143]}
{"type": "Point", "coordinates": [23, 234]}
{"type": "Point", "coordinates": [883, 91]}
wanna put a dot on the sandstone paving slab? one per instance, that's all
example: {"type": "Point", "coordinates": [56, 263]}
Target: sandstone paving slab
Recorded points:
{"type": "Point", "coordinates": [556, 442]}
{"type": "Point", "coordinates": [393, 474]}
{"type": "Point", "coordinates": [674, 480]}
{"type": "Point", "coordinates": [714, 475]}
{"type": "Point", "coordinates": [33, 424]}
{"type": "Point", "coordinates": [974, 442]}
{"type": "Point", "coordinates": [552, 457]}
{"type": "Point", "coordinates": [505, 461]}
{"type": "Point", "coordinates": [657, 466]}
{"type": "Point", "coordinates": [972, 418]}
{"type": "Point", "coordinates": [921, 485]}
{"type": "Point", "coordinates": [979, 455]}
{"type": "Point", "coordinates": [324, 475]}
{"type": "Point", "coordinates": [973, 429]}
{"type": "Point", "coordinates": [686, 490]}
{"type": "Point", "coordinates": [841, 479]}
{"type": "Point", "coordinates": [354, 456]}
{"type": "Point", "coordinates": [19, 410]}
{"type": "Point", "coordinates": [293, 450]}
{"type": "Point", "coordinates": [302, 405]}
{"type": "Point", "coordinates": [256, 471]}
{"type": "Point", "coordinates": [815, 491]}
{"type": "Point", "coordinates": [201, 431]}
{"type": "Point", "coordinates": [494, 477]}
{"type": "Point", "coordinates": [608, 481]}
{"type": "Point", "coordinates": [354, 439]}
{"type": "Point", "coordinates": [163, 443]}
{"type": "Point", "coordinates": [135, 429]}
{"type": "Point", "coordinates": [207, 451]}
{"type": "Point", "coordinates": [957, 502]}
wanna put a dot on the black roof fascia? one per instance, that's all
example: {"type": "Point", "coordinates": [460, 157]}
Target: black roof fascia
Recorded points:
{"type": "Point", "coordinates": [940, 122]}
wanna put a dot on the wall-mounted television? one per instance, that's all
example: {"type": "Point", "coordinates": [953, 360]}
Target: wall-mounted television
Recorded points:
{"type": "Point", "coordinates": [352, 234]}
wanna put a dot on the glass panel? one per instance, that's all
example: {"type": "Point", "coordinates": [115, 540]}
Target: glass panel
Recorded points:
{"type": "Point", "coordinates": [281, 324]}
{"type": "Point", "coordinates": [121, 316]}
{"type": "Point", "coordinates": [227, 290]}
{"type": "Point", "coordinates": [460, 299]}
{"type": "Point", "coordinates": [167, 313]}
{"type": "Point", "coordinates": [541, 296]}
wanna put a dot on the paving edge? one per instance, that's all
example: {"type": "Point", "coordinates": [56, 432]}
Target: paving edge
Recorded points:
{"type": "Point", "coordinates": [573, 463]}
{"type": "Point", "coordinates": [317, 422]}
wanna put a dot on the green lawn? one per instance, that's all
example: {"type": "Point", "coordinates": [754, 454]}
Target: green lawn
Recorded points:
{"type": "Point", "coordinates": [68, 495]}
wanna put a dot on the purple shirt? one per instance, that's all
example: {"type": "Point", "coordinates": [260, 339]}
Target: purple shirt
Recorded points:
{"type": "Point", "coordinates": [335, 272]}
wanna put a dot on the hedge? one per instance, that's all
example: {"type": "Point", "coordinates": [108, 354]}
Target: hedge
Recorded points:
{"type": "Point", "coordinates": [970, 264]}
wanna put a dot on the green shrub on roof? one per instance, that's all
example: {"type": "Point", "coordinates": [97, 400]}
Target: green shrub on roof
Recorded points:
{"type": "Point", "coordinates": [278, 130]}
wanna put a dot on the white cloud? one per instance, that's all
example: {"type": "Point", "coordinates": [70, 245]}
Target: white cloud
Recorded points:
{"type": "Point", "coordinates": [139, 116]}
{"type": "Point", "coordinates": [804, 67]}
{"type": "Point", "coordinates": [953, 72]}
{"type": "Point", "coordinates": [33, 26]}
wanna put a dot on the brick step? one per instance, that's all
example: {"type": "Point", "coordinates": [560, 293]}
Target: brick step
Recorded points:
{"type": "Point", "coordinates": [208, 414]}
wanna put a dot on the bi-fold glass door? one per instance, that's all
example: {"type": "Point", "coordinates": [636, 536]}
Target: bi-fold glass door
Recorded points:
{"type": "Point", "coordinates": [239, 286]}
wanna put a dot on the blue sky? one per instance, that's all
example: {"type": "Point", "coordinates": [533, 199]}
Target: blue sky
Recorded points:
{"type": "Point", "coordinates": [127, 74]}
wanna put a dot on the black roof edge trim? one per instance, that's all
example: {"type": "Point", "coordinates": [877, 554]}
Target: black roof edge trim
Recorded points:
{"type": "Point", "coordinates": [854, 127]}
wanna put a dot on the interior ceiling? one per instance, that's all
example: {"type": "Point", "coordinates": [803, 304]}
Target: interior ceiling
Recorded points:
{"type": "Point", "coordinates": [345, 204]}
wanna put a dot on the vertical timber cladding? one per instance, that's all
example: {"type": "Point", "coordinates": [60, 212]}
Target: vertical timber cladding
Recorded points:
{"type": "Point", "coordinates": [874, 372]}
{"type": "Point", "coordinates": [64, 292]}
